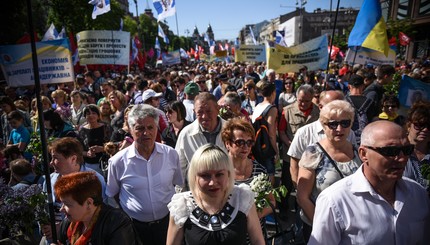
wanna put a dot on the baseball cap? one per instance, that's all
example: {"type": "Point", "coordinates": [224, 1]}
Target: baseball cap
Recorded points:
{"type": "Point", "coordinates": [191, 89]}
{"type": "Point", "coordinates": [149, 93]}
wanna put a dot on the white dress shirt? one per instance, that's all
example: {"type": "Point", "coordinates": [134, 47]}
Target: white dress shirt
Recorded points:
{"type": "Point", "coordinates": [145, 187]}
{"type": "Point", "coordinates": [352, 212]}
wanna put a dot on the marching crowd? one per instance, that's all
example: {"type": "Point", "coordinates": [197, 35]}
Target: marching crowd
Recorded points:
{"type": "Point", "coordinates": [167, 155]}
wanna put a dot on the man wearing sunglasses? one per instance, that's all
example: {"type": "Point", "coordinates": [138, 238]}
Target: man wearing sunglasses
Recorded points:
{"type": "Point", "coordinates": [375, 205]}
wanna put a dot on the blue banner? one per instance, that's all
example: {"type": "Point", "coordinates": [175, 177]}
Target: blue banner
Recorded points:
{"type": "Point", "coordinates": [412, 90]}
{"type": "Point", "coordinates": [54, 59]}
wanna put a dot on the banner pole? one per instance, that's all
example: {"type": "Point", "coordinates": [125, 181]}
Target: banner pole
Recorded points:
{"type": "Point", "coordinates": [41, 124]}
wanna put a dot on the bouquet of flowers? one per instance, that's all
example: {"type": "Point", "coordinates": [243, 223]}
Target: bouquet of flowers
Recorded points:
{"type": "Point", "coordinates": [262, 187]}
{"type": "Point", "coordinates": [20, 209]}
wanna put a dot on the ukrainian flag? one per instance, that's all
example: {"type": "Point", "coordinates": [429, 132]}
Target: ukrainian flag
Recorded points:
{"type": "Point", "coordinates": [370, 30]}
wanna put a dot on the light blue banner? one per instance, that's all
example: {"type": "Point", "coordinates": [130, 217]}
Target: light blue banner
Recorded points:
{"type": "Point", "coordinates": [54, 59]}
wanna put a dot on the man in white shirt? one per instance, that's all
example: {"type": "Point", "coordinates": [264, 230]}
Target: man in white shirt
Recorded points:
{"type": "Point", "coordinates": [142, 177]}
{"type": "Point", "coordinates": [375, 205]}
{"type": "Point", "coordinates": [191, 91]}
{"type": "Point", "coordinates": [206, 129]}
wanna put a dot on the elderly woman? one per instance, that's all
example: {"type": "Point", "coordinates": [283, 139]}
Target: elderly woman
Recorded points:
{"type": "Point", "coordinates": [418, 126]}
{"type": "Point", "coordinates": [288, 94]}
{"type": "Point", "coordinates": [175, 112]}
{"type": "Point", "coordinates": [232, 107]}
{"type": "Point", "coordinates": [330, 159]}
{"type": "Point", "coordinates": [88, 220]}
{"type": "Point", "coordinates": [93, 135]}
{"type": "Point", "coordinates": [215, 211]}
{"type": "Point", "coordinates": [238, 136]}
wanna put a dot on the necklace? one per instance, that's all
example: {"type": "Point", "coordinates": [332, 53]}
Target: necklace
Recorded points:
{"type": "Point", "coordinates": [214, 221]}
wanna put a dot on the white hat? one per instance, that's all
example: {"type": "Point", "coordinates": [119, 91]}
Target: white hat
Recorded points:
{"type": "Point", "coordinates": [149, 93]}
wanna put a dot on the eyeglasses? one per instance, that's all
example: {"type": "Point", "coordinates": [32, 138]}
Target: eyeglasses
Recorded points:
{"type": "Point", "coordinates": [392, 151]}
{"type": "Point", "coordinates": [288, 83]}
{"type": "Point", "coordinates": [200, 82]}
{"type": "Point", "coordinates": [421, 126]}
{"type": "Point", "coordinates": [241, 143]}
{"type": "Point", "coordinates": [334, 124]}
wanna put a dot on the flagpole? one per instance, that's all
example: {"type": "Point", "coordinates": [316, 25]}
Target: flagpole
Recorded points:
{"type": "Point", "coordinates": [177, 27]}
{"type": "Point", "coordinates": [41, 123]}
{"type": "Point", "coordinates": [332, 37]}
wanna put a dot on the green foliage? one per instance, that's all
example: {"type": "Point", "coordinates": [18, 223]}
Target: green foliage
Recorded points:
{"type": "Point", "coordinates": [76, 16]}
{"type": "Point", "coordinates": [35, 148]}
{"type": "Point", "coordinates": [393, 87]}
{"type": "Point", "coordinates": [262, 188]}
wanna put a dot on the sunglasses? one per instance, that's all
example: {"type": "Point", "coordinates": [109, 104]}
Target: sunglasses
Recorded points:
{"type": "Point", "coordinates": [334, 124]}
{"type": "Point", "coordinates": [421, 126]}
{"type": "Point", "coordinates": [392, 151]}
{"type": "Point", "coordinates": [200, 82]}
{"type": "Point", "coordinates": [289, 83]}
{"type": "Point", "coordinates": [242, 143]}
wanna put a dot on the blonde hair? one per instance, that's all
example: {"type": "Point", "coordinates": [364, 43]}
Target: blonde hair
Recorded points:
{"type": "Point", "coordinates": [336, 107]}
{"type": "Point", "coordinates": [210, 157]}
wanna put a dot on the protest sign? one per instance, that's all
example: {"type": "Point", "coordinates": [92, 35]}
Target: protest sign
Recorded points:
{"type": "Point", "coordinates": [367, 56]}
{"type": "Point", "coordinates": [171, 58]}
{"type": "Point", "coordinates": [104, 47]}
{"type": "Point", "coordinates": [250, 53]}
{"type": "Point", "coordinates": [312, 54]}
{"type": "Point", "coordinates": [412, 90]}
{"type": "Point", "coordinates": [54, 59]}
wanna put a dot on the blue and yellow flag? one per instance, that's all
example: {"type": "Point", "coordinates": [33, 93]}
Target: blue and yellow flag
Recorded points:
{"type": "Point", "coordinates": [370, 30]}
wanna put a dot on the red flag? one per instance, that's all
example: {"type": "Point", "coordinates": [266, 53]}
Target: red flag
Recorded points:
{"type": "Point", "coordinates": [220, 46]}
{"type": "Point", "coordinates": [404, 40]}
{"type": "Point", "coordinates": [192, 51]}
{"type": "Point", "coordinates": [232, 50]}
{"type": "Point", "coordinates": [392, 41]}
{"type": "Point", "coordinates": [334, 51]}
{"type": "Point", "coordinates": [200, 50]}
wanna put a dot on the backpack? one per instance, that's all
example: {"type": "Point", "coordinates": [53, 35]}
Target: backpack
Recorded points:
{"type": "Point", "coordinates": [262, 149]}
{"type": "Point", "coordinates": [360, 117]}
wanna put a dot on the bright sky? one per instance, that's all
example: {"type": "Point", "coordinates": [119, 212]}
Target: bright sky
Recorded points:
{"type": "Point", "coordinates": [227, 17]}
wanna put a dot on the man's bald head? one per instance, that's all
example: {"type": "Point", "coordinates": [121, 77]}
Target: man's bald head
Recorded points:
{"type": "Point", "coordinates": [330, 95]}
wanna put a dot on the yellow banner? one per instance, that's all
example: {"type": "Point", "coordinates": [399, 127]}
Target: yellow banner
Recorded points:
{"type": "Point", "coordinates": [221, 53]}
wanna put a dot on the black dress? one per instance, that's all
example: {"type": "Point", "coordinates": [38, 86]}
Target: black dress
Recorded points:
{"type": "Point", "coordinates": [91, 137]}
{"type": "Point", "coordinates": [228, 226]}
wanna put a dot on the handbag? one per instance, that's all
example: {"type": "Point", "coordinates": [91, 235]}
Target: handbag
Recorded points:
{"type": "Point", "coordinates": [302, 214]}
{"type": "Point", "coordinates": [281, 236]}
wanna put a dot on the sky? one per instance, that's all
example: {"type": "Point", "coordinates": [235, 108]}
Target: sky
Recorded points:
{"type": "Point", "coordinates": [227, 17]}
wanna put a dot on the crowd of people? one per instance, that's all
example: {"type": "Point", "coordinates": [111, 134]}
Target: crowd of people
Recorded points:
{"type": "Point", "coordinates": [164, 155]}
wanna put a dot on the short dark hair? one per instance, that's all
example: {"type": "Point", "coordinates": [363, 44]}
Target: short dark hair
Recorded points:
{"type": "Point", "coordinates": [385, 70]}
{"type": "Point", "coordinates": [68, 146]}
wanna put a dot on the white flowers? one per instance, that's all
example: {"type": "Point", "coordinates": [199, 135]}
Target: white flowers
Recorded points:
{"type": "Point", "coordinates": [260, 184]}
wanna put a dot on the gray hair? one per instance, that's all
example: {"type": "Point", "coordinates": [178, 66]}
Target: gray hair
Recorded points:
{"type": "Point", "coordinates": [141, 111]}
{"type": "Point", "coordinates": [336, 107]}
{"type": "Point", "coordinates": [306, 88]}
{"type": "Point", "coordinates": [232, 98]}
{"type": "Point", "coordinates": [210, 157]}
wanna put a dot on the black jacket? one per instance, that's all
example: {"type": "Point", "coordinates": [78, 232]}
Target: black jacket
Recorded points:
{"type": "Point", "coordinates": [113, 227]}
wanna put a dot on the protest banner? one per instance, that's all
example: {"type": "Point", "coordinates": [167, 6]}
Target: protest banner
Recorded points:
{"type": "Point", "coordinates": [104, 47]}
{"type": "Point", "coordinates": [367, 56]}
{"type": "Point", "coordinates": [250, 53]}
{"type": "Point", "coordinates": [412, 90]}
{"type": "Point", "coordinates": [171, 58]}
{"type": "Point", "coordinates": [312, 54]}
{"type": "Point", "coordinates": [54, 59]}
